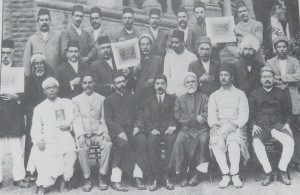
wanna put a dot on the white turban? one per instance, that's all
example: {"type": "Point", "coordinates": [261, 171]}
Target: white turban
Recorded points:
{"type": "Point", "coordinates": [49, 81]}
{"type": "Point", "coordinates": [36, 56]}
{"type": "Point", "coordinates": [145, 35]}
{"type": "Point", "coordinates": [250, 40]}
{"type": "Point", "coordinates": [188, 74]}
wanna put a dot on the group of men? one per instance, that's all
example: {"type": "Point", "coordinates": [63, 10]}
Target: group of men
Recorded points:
{"type": "Point", "coordinates": [158, 119]}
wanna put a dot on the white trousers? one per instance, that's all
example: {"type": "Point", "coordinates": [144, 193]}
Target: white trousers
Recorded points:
{"type": "Point", "coordinates": [116, 173]}
{"type": "Point", "coordinates": [16, 147]}
{"type": "Point", "coordinates": [287, 151]}
{"type": "Point", "coordinates": [234, 151]}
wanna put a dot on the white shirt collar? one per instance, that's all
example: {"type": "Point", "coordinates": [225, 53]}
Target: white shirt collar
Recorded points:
{"type": "Point", "coordinates": [268, 90]}
{"type": "Point", "coordinates": [110, 63]}
{"type": "Point", "coordinates": [154, 32]}
{"type": "Point", "coordinates": [222, 89]}
{"type": "Point", "coordinates": [162, 97]}
{"type": "Point", "coordinates": [74, 65]}
{"type": "Point", "coordinates": [44, 35]}
{"type": "Point", "coordinates": [77, 29]}
{"type": "Point", "coordinates": [97, 32]}
{"type": "Point", "coordinates": [6, 66]}
{"type": "Point", "coordinates": [282, 64]}
{"type": "Point", "coordinates": [129, 32]}
{"type": "Point", "coordinates": [206, 65]}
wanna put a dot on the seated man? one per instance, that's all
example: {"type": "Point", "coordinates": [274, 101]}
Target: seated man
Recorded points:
{"type": "Point", "coordinates": [90, 113]}
{"type": "Point", "coordinates": [192, 140]}
{"type": "Point", "coordinates": [53, 152]}
{"type": "Point", "coordinates": [228, 113]}
{"type": "Point", "coordinates": [160, 126]}
{"type": "Point", "coordinates": [271, 114]}
{"type": "Point", "coordinates": [124, 123]}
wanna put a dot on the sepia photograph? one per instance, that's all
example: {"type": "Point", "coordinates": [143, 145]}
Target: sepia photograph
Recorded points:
{"type": "Point", "coordinates": [141, 97]}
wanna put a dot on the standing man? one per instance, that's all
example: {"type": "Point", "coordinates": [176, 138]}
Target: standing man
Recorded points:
{"type": "Point", "coordinates": [183, 19]}
{"type": "Point", "coordinates": [53, 153]}
{"type": "Point", "coordinates": [12, 125]}
{"type": "Point", "coordinates": [45, 42]}
{"type": "Point", "coordinates": [76, 33]}
{"type": "Point", "coordinates": [160, 126]}
{"type": "Point", "coordinates": [206, 69]}
{"type": "Point", "coordinates": [128, 31]}
{"type": "Point", "coordinates": [124, 122]}
{"type": "Point", "coordinates": [287, 77]}
{"type": "Point", "coordinates": [96, 22]}
{"type": "Point", "coordinates": [247, 67]}
{"type": "Point", "coordinates": [248, 26]}
{"type": "Point", "coordinates": [279, 21]}
{"type": "Point", "coordinates": [150, 66]}
{"type": "Point", "coordinates": [228, 113]}
{"type": "Point", "coordinates": [191, 145]}
{"type": "Point", "coordinates": [270, 117]}
{"type": "Point", "coordinates": [90, 112]}
{"type": "Point", "coordinates": [177, 63]}
{"type": "Point", "coordinates": [159, 37]}
{"type": "Point", "coordinates": [69, 73]}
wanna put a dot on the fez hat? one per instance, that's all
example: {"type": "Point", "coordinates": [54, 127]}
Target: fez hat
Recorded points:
{"type": "Point", "coordinates": [181, 9]}
{"type": "Point", "coordinates": [240, 4]}
{"type": "Point", "coordinates": [128, 10]}
{"type": "Point", "coordinates": [204, 39]}
{"type": "Point", "coordinates": [280, 39]}
{"type": "Point", "coordinates": [96, 10]}
{"type": "Point", "coordinates": [199, 4]}
{"type": "Point", "coordinates": [44, 12]}
{"type": "Point", "coordinates": [118, 73]}
{"type": "Point", "coordinates": [155, 11]}
{"type": "Point", "coordinates": [179, 34]}
{"type": "Point", "coordinates": [8, 44]}
{"type": "Point", "coordinates": [226, 66]}
{"type": "Point", "coordinates": [103, 40]}
{"type": "Point", "coordinates": [73, 44]}
{"type": "Point", "coordinates": [77, 8]}
{"type": "Point", "coordinates": [267, 68]}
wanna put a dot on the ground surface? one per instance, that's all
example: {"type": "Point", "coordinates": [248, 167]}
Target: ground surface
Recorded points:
{"type": "Point", "coordinates": [251, 187]}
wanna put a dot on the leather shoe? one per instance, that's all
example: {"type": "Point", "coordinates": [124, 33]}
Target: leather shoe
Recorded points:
{"type": "Point", "coordinates": [117, 186]}
{"type": "Point", "coordinates": [22, 184]}
{"type": "Point", "coordinates": [139, 184]}
{"type": "Point", "coordinates": [184, 183]}
{"type": "Point", "coordinates": [101, 183]}
{"type": "Point", "coordinates": [195, 179]}
{"type": "Point", "coordinates": [269, 178]}
{"type": "Point", "coordinates": [87, 186]}
{"type": "Point", "coordinates": [64, 186]}
{"type": "Point", "coordinates": [283, 177]}
{"type": "Point", "coordinates": [169, 185]}
{"type": "Point", "coordinates": [41, 190]}
{"type": "Point", "coordinates": [154, 186]}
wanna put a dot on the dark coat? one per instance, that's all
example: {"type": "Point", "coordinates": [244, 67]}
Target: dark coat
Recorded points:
{"type": "Point", "coordinates": [206, 87]}
{"type": "Point", "coordinates": [245, 80]}
{"type": "Point", "coordinates": [159, 119]}
{"type": "Point", "coordinates": [159, 45]}
{"type": "Point", "coordinates": [123, 34]}
{"type": "Point", "coordinates": [64, 74]}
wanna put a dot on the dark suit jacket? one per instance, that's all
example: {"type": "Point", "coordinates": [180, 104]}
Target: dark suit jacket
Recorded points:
{"type": "Point", "coordinates": [64, 74]}
{"type": "Point", "coordinates": [86, 45]}
{"type": "Point", "coordinates": [245, 80]}
{"type": "Point", "coordinates": [159, 119]}
{"type": "Point", "coordinates": [214, 68]}
{"type": "Point", "coordinates": [160, 43]}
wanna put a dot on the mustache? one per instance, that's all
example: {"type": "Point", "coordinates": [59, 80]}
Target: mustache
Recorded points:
{"type": "Point", "coordinates": [182, 22]}
{"type": "Point", "coordinates": [267, 82]}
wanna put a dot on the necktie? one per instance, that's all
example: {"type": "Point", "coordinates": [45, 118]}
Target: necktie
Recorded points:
{"type": "Point", "coordinates": [159, 103]}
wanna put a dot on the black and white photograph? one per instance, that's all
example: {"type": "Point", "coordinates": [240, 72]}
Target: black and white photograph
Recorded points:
{"type": "Point", "coordinates": [141, 97]}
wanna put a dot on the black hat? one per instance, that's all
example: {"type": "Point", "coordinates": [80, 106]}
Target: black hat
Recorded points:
{"type": "Point", "coordinates": [226, 66]}
{"type": "Point", "coordinates": [128, 10]}
{"type": "Point", "coordinates": [181, 9]}
{"type": "Point", "coordinates": [44, 12]}
{"type": "Point", "coordinates": [87, 72]}
{"type": "Point", "coordinates": [73, 44]}
{"type": "Point", "coordinates": [155, 11]}
{"type": "Point", "coordinates": [77, 8]}
{"type": "Point", "coordinates": [240, 4]}
{"type": "Point", "coordinates": [199, 4]}
{"type": "Point", "coordinates": [178, 34]}
{"type": "Point", "coordinates": [8, 44]}
{"type": "Point", "coordinates": [268, 69]}
{"type": "Point", "coordinates": [103, 40]}
{"type": "Point", "coordinates": [118, 73]}
{"type": "Point", "coordinates": [96, 10]}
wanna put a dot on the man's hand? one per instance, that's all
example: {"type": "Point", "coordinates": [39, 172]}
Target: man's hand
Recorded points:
{"type": "Point", "coordinates": [155, 132]}
{"type": "Point", "coordinates": [136, 130]}
{"type": "Point", "coordinates": [123, 136]}
{"type": "Point", "coordinates": [256, 130]}
{"type": "Point", "coordinates": [207, 78]}
{"type": "Point", "coordinates": [287, 127]}
{"type": "Point", "coordinates": [41, 145]}
{"type": "Point", "coordinates": [106, 136]}
{"type": "Point", "coordinates": [12, 96]}
{"type": "Point", "coordinates": [214, 131]}
{"type": "Point", "coordinates": [126, 71]}
{"type": "Point", "coordinates": [122, 39]}
{"type": "Point", "coordinates": [232, 128]}
{"type": "Point", "coordinates": [149, 83]}
{"type": "Point", "coordinates": [200, 119]}
{"type": "Point", "coordinates": [84, 59]}
{"type": "Point", "coordinates": [170, 130]}
{"type": "Point", "coordinates": [81, 141]}
{"type": "Point", "coordinates": [75, 81]}
{"type": "Point", "coordinates": [64, 127]}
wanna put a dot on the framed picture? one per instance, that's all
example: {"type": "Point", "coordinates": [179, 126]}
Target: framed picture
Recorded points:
{"type": "Point", "coordinates": [12, 80]}
{"type": "Point", "coordinates": [126, 53]}
{"type": "Point", "coordinates": [60, 116]}
{"type": "Point", "coordinates": [220, 29]}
